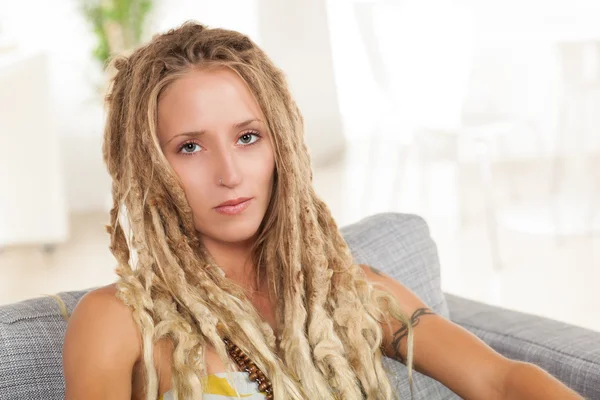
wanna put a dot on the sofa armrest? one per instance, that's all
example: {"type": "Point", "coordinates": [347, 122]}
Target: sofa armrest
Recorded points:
{"type": "Point", "coordinates": [569, 353]}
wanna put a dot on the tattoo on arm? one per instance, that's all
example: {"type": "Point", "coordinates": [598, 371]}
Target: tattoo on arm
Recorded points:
{"type": "Point", "coordinates": [403, 331]}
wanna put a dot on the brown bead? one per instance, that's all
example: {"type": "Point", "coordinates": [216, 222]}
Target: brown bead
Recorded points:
{"type": "Point", "coordinates": [253, 367]}
{"type": "Point", "coordinates": [262, 387]}
{"type": "Point", "coordinates": [270, 396]}
{"type": "Point", "coordinates": [252, 376]}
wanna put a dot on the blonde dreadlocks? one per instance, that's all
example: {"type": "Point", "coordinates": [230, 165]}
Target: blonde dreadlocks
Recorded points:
{"type": "Point", "coordinates": [332, 337]}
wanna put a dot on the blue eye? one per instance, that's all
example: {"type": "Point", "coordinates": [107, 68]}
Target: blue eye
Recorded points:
{"type": "Point", "coordinates": [248, 138]}
{"type": "Point", "coordinates": [188, 146]}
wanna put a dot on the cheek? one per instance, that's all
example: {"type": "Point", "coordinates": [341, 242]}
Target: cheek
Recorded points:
{"type": "Point", "coordinates": [194, 178]}
{"type": "Point", "coordinates": [264, 167]}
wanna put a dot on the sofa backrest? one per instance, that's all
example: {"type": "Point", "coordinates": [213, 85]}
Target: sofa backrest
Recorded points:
{"type": "Point", "coordinates": [32, 331]}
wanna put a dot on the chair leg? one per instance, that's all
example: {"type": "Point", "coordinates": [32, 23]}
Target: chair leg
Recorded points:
{"type": "Point", "coordinates": [592, 212]}
{"type": "Point", "coordinates": [424, 177]}
{"type": "Point", "coordinates": [370, 175]}
{"type": "Point", "coordinates": [486, 175]}
{"type": "Point", "coordinates": [594, 196]}
{"type": "Point", "coordinates": [558, 166]}
{"type": "Point", "coordinates": [399, 176]}
{"type": "Point", "coordinates": [461, 189]}
{"type": "Point", "coordinates": [513, 187]}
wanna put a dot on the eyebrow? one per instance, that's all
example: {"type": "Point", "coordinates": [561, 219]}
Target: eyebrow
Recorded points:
{"type": "Point", "coordinates": [200, 133]}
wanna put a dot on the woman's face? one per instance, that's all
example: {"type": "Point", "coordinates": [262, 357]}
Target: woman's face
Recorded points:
{"type": "Point", "coordinates": [213, 134]}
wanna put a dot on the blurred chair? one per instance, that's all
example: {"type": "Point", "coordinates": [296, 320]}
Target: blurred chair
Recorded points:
{"type": "Point", "coordinates": [442, 71]}
{"type": "Point", "coordinates": [386, 125]}
{"type": "Point", "coordinates": [579, 62]}
{"type": "Point", "coordinates": [479, 138]}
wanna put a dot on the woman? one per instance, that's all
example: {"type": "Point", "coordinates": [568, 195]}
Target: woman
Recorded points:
{"type": "Point", "coordinates": [234, 277]}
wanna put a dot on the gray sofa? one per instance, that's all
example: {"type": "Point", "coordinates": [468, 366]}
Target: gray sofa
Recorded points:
{"type": "Point", "coordinates": [31, 332]}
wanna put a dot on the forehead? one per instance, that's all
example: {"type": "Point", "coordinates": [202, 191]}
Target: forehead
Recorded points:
{"type": "Point", "coordinates": [205, 100]}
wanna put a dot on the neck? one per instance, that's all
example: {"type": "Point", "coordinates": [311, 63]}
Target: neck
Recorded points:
{"type": "Point", "coordinates": [235, 259]}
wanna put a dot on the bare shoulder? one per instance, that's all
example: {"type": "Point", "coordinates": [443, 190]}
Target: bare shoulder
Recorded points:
{"type": "Point", "coordinates": [102, 310]}
{"type": "Point", "coordinates": [102, 345]}
{"type": "Point", "coordinates": [408, 301]}
{"type": "Point", "coordinates": [371, 271]}
{"type": "Point", "coordinates": [377, 277]}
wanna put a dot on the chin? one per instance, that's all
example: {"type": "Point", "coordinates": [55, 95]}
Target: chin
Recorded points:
{"type": "Point", "coordinates": [234, 230]}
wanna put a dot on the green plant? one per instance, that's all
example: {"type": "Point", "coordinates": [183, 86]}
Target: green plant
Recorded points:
{"type": "Point", "coordinates": [117, 24]}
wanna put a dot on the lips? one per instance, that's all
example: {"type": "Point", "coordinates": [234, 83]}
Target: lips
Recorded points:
{"type": "Point", "coordinates": [233, 207]}
{"type": "Point", "coordinates": [233, 202]}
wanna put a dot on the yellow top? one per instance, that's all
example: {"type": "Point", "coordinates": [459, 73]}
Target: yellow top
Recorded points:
{"type": "Point", "coordinates": [217, 387]}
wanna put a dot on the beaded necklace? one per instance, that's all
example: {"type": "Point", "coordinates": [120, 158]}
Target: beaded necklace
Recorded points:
{"type": "Point", "coordinates": [247, 365]}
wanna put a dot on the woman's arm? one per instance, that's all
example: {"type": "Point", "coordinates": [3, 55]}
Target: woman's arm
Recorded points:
{"type": "Point", "coordinates": [528, 381]}
{"type": "Point", "coordinates": [100, 349]}
{"type": "Point", "coordinates": [457, 358]}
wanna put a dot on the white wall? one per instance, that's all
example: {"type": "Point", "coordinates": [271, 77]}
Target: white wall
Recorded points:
{"type": "Point", "coordinates": [295, 34]}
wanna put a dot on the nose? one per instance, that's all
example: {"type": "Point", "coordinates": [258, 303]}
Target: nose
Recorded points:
{"type": "Point", "coordinates": [227, 171]}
